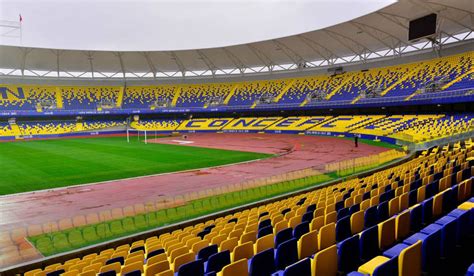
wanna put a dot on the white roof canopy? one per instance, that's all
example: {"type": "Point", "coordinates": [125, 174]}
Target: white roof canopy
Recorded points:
{"type": "Point", "coordinates": [171, 25]}
{"type": "Point", "coordinates": [381, 33]}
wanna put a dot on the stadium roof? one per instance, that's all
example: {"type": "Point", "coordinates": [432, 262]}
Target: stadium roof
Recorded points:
{"type": "Point", "coordinates": [379, 34]}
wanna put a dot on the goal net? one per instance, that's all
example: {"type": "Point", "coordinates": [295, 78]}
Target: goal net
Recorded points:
{"type": "Point", "coordinates": [137, 135]}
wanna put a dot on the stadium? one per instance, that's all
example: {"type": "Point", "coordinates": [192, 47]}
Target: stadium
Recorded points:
{"type": "Point", "coordinates": [234, 138]}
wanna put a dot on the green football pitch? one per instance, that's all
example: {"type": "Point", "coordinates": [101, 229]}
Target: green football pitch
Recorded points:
{"type": "Point", "coordinates": [43, 164]}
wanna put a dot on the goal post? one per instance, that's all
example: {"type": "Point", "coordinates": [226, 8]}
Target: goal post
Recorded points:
{"type": "Point", "coordinates": [140, 135]}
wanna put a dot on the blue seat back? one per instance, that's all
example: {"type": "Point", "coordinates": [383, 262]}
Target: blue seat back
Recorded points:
{"type": "Point", "coordinates": [301, 268]}
{"type": "Point", "coordinates": [56, 272]}
{"type": "Point", "coordinates": [283, 235]}
{"type": "Point", "coordinates": [354, 208]}
{"type": "Point", "coordinates": [431, 252]}
{"type": "Point", "coordinates": [137, 273]}
{"type": "Point", "coordinates": [382, 211]}
{"type": "Point", "coordinates": [369, 243]}
{"type": "Point", "coordinates": [286, 254]}
{"type": "Point", "coordinates": [307, 217]}
{"type": "Point", "coordinates": [262, 264]}
{"type": "Point", "coordinates": [120, 260]}
{"type": "Point", "coordinates": [155, 253]}
{"type": "Point", "coordinates": [370, 217]}
{"type": "Point", "coordinates": [264, 223]}
{"type": "Point", "coordinates": [300, 230]}
{"type": "Point", "coordinates": [416, 218]}
{"type": "Point", "coordinates": [217, 261]}
{"type": "Point", "coordinates": [348, 258]}
{"type": "Point", "coordinates": [342, 213]}
{"type": "Point", "coordinates": [412, 197]}
{"type": "Point", "coordinates": [427, 211]}
{"type": "Point", "coordinates": [206, 252]}
{"type": "Point", "coordinates": [311, 208]}
{"type": "Point", "coordinates": [194, 268]}
{"type": "Point", "coordinates": [343, 228]}
{"type": "Point", "coordinates": [108, 273]}
{"type": "Point", "coordinates": [267, 230]}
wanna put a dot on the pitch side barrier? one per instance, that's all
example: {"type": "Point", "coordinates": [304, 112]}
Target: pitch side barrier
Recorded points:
{"type": "Point", "coordinates": [151, 132]}
{"type": "Point", "coordinates": [65, 135]}
{"type": "Point", "coordinates": [60, 258]}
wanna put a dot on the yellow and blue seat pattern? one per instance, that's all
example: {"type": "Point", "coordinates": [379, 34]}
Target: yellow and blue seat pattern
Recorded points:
{"type": "Point", "coordinates": [198, 95]}
{"type": "Point", "coordinates": [394, 81]}
{"type": "Point", "coordinates": [80, 98]}
{"type": "Point", "coordinates": [156, 125]}
{"type": "Point", "coordinates": [136, 97]}
{"type": "Point", "coordinates": [24, 97]}
{"type": "Point", "coordinates": [412, 128]}
{"type": "Point", "coordinates": [102, 124]}
{"type": "Point", "coordinates": [45, 128]}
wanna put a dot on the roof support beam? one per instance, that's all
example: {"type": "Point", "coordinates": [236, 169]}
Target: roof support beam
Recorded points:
{"type": "Point", "coordinates": [261, 56]}
{"type": "Point", "coordinates": [309, 43]}
{"type": "Point", "coordinates": [122, 67]}
{"type": "Point", "coordinates": [24, 53]}
{"type": "Point", "coordinates": [150, 64]}
{"type": "Point", "coordinates": [290, 53]}
{"type": "Point", "coordinates": [212, 67]}
{"type": "Point", "coordinates": [362, 25]}
{"type": "Point", "coordinates": [395, 19]}
{"type": "Point", "coordinates": [57, 54]}
{"type": "Point", "coordinates": [235, 60]}
{"type": "Point", "coordinates": [90, 57]}
{"type": "Point", "coordinates": [178, 62]}
{"type": "Point", "coordinates": [338, 36]}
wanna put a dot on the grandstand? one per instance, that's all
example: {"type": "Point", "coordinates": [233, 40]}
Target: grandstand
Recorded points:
{"type": "Point", "coordinates": [406, 82]}
{"type": "Point", "coordinates": [234, 144]}
{"type": "Point", "coordinates": [410, 128]}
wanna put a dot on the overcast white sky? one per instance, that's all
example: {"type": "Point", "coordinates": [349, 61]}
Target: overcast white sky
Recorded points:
{"type": "Point", "coordinates": [156, 25]}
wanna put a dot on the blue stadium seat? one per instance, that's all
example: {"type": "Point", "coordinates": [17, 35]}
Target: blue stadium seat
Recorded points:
{"type": "Point", "coordinates": [343, 229]}
{"type": "Point", "coordinates": [267, 230]}
{"type": "Point", "coordinates": [194, 268]}
{"type": "Point", "coordinates": [206, 252]}
{"type": "Point", "coordinates": [264, 223]}
{"type": "Point", "coordinates": [370, 217]}
{"type": "Point", "coordinates": [448, 236]}
{"type": "Point", "coordinates": [382, 211]}
{"type": "Point", "coordinates": [300, 230]}
{"type": "Point", "coordinates": [139, 273]}
{"type": "Point", "coordinates": [427, 211]}
{"type": "Point", "coordinates": [286, 254]}
{"type": "Point", "coordinates": [262, 264]}
{"type": "Point", "coordinates": [283, 235]}
{"type": "Point", "coordinates": [217, 261]}
{"type": "Point", "coordinates": [416, 214]}
{"type": "Point", "coordinates": [155, 253]}
{"type": "Point", "coordinates": [369, 243]}
{"type": "Point", "coordinates": [307, 217]}
{"type": "Point", "coordinates": [348, 258]}
{"type": "Point", "coordinates": [120, 260]}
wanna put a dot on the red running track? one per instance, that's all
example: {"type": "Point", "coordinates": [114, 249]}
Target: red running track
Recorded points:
{"type": "Point", "coordinates": [294, 152]}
